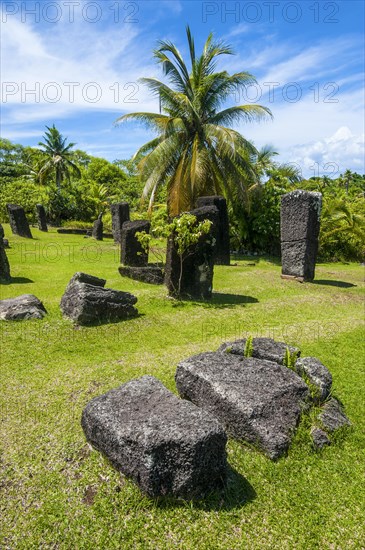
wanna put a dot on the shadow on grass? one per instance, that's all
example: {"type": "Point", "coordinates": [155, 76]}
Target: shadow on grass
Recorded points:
{"type": "Point", "coordinates": [236, 494]}
{"type": "Point", "coordinates": [330, 282]}
{"type": "Point", "coordinates": [223, 300]}
{"type": "Point", "coordinates": [17, 281]}
{"type": "Point", "coordinates": [107, 322]}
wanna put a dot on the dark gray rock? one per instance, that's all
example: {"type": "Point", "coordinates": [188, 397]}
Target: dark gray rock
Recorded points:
{"type": "Point", "coordinates": [168, 446]}
{"type": "Point", "coordinates": [222, 248]}
{"type": "Point", "coordinates": [97, 231]}
{"type": "Point", "coordinates": [198, 262]}
{"type": "Point", "coordinates": [263, 348]}
{"type": "Point", "coordinates": [5, 276]}
{"type": "Point", "coordinates": [87, 302]}
{"type": "Point", "coordinates": [320, 438]}
{"type": "Point", "coordinates": [18, 221]}
{"type": "Point", "coordinates": [120, 214]}
{"type": "Point", "coordinates": [299, 225]}
{"type": "Point", "coordinates": [317, 374]}
{"type": "Point", "coordinates": [256, 400]}
{"type": "Point", "coordinates": [41, 217]}
{"type": "Point", "coordinates": [151, 274]}
{"type": "Point", "coordinates": [22, 307]}
{"type": "Point", "coordinates": [74, 231]}
{"type": "Point", "coordinates": [132, 252]}
{"type": "Point", "coordinates": [332, 416]}
{"type": "Point", "coordinates": [6, 243]}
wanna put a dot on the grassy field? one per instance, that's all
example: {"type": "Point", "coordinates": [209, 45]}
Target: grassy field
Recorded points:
{"type": "Point", "coordinates": [55, 492]}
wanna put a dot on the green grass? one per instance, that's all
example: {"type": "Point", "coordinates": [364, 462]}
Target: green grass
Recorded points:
{"type": "Point", "coordinates": [57, 493]}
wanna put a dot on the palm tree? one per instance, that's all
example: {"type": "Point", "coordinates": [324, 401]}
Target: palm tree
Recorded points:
{"type": "Point", "coordinates": [195, 152]}
{"type": "Point", "coordinates": [58, 156]}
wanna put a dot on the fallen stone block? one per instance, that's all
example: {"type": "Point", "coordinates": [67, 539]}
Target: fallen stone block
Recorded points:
{"type": "Point", "coordinates": [87, 302]}
{"type": "Point", "coordinates": [317, 374]}
{"type": "Point", "coordinates": [319, 438]}
{"type": "Point", "coordinates": [256, 400]}
{"type": "Point", "coordinates": [262, 348]}
{"type": "Point", "coordinates": [151, 274]}
{"type": "Point", "coordinates": [26, 306]}
{"type": "Point", "coordinates": [166, 445]}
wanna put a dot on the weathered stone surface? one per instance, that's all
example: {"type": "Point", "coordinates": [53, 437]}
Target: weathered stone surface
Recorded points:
{"type": "Point", "coordinates": [262, 348]}
{"type": "Point", "coordinates": [168, 446]}
{"type": "Point", "coordinates": [299, 226]}
{"type": "Point", "coordinates": [97, 231]}
{"type": "Point", "coordinates": [18, 221]}
{"type": "Point", "coordinates": [256, 400]}
{"type": "Point", "coordinates": [120, 214]}
{"type": "Point", "coordinates": [151, 274]}
{"type": "Point", "coordinates": [74, 231]}
{"type": "Point", "coordinates": [332, 416]}
{"type": "Point", "coordinates": [5, 276]}
{"type": "Point", "coordinates": [132, 252]}
{"type": "Point", "coordinates": [26, 306]}
{"type": "Point", "coordinates": [87, 302]}
{"type": "Point", "coordinates": [198, 264]}
{"type": "Point", "coordinates": [320, 438]}
{"type": "Point", "coordinates": [317, 374]}
{"type": "Point", "coordinates": [222, 249]}
{"type": "Point", "coordinates": [41, 217]}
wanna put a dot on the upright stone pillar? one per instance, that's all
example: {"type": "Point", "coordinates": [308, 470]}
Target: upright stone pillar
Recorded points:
{"type": "Point", "coordinates": [198, 263]}
{"type": "Point", "coordinates": [300, 223]}
{"type": "Point", "coordinates": [120, 214]}
{"type": "Point", "coordinates": [4, 262]}
{"type": "Point", "coordinates": [41, 217]}
{"type": "Point", "coordinates": [132, 253]}
{"type": "Point", "coordinates": [97, 231]}
{"type": "Point", "coordinates": [18, 221]}
{"type": "Point", "coordinates": [222, 248]}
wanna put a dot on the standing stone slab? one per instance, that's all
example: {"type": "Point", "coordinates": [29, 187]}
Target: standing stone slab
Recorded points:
{"type": "Point", "coordinates": [168, 446]}
{"type": "Point", "coordinates": [198, 264]}
{"type": "Point", "coordinates": [5, 276]}
{"type": "Point", "coordinates": [97, 231]}
{"type": "Point", "coordinates": [132, 253]}
{"type": "Point", "coordinates": [256, 400]}
{"type": "Point", "coordinates": [41, 217]}
{"type": "Point", "coordinates": [18, 221]}
{"type": "Point", "coordinates": [222, 250]}
{"type": "Point", "coordinates": [299, 225]}
{"type": "Point", "coordinates": [120, 214]}
{"type": "Point", "coordinates": [262, 348]}
{"type": "Point", "coordinates": [87, 302]}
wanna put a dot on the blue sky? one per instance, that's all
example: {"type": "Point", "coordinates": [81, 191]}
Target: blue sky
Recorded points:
{"type": "Point", "coordinates": [77, 63]}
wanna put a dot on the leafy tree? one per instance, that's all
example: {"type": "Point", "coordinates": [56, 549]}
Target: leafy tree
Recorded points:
{"type": "Point", "coordinates": [195, 152]}
{"type": "Point", "coordinates": [58, 157]}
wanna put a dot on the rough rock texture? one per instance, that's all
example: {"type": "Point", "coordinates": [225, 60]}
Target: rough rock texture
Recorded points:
{"type": "Point", "coordinates": [299, 226]}
{"type": "Point", "coordinates": [151, 274]}
{"type": "Point", "coordinates": [18, 221]}
{"type": "Point", "coordinates": [132, 252]}
{"type": "Point", "coordinates": [87, 302]}
{"type": "Point", "coordinates": [97, 231]}
{"type": "Point", "coordinates": [168, 446]}
{"type": "Point", "coordinates": [332, 416]}
{"type": "Point", "coordinates": [5, 276]}
{"type": "Point", "coordinates": [256, 400]}
{"type": "Point", "coordinates": [317, 374]}
{"type": "Point", "coordinates": [320, 438]}
{"type": "Point", "coordinates": [198, 265]}
{"type": "Point", "coordinates": [6, 243]}
{"type": "Point", "coordinates": [120, 214]}
{"type": "Point", "coordinates": [26, 306]}
{"type": "Point", "coordinates": [263, 348]}
{"type": "Point", "coordinates": [222, 249]}
{"type": "Point", "coordinates": [74, 231]}
{"type": "Point", "coordinates": [41, 217]}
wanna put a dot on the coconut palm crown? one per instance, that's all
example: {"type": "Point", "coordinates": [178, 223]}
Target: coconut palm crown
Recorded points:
{"type": "Point", "coordinates": [57, 156]}
{"type": "Point", "coordinates": [195, 152]}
